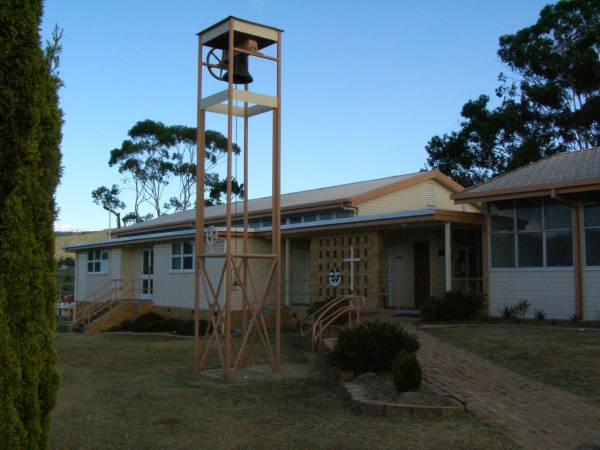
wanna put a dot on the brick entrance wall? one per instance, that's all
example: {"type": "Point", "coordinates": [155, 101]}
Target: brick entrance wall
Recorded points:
{"type": "Point", "coordinates": [329, 251]}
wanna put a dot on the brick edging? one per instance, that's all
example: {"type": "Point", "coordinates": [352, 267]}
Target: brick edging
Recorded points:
{"type": "Point", "coordinates": [356, 397]}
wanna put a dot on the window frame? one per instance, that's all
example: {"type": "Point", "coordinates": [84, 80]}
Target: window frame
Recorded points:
{"type": "Point", "coordinates": [584, 237]}
{"type": "Point", "coordinates": [515, 232]}
{"type": "Point", "coordinates": [182, 255]}
{"type": "Point", "coordinates": [103, 267]}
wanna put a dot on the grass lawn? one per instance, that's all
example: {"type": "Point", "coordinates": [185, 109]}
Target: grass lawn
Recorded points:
{"type": "Point", "coordinates": [138, 392]}
{"type": "Point", "coordinates": [563, 357]}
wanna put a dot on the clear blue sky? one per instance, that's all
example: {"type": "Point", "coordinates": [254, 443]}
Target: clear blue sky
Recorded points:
{"type": "Point", "coordinates": [365, 83]}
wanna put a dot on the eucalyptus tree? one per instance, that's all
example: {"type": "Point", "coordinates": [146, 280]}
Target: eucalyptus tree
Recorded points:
{"type": "Point", "coordinates": [108, 198]}
{"type": "Point", "coordinates": [145, 157]}
{"type": "Point", "coordinates": [548, 103]}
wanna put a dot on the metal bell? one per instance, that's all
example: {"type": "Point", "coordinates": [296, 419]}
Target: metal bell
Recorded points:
{"type": "Point", "coordinates": [240, 70]}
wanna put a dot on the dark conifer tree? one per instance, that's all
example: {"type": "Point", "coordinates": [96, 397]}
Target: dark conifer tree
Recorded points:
{"type": "Point", "coordinates": [30, 134]}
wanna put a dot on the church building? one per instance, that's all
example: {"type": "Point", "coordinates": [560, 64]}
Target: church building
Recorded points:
{"type": "Point", "coordinates": [395, 241]}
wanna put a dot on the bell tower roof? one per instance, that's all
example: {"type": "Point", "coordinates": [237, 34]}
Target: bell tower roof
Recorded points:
{"type": "Point", "coordinates": [216, 35]}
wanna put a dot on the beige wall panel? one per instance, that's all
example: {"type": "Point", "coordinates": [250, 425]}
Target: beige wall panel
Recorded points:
{"type": "Point", "coordinates": [591, 294]}
{"type": "Point", "coordinates": [552, 291]}
{"type": "Point", "coordinates": [427, 194]}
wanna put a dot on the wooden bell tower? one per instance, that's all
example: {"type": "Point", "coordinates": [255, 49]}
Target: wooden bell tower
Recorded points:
{"type": "Point", "coordinates": [237, 41]}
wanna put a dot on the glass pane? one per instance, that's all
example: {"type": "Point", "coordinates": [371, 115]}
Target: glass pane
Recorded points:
{"type": "Point", "coordinates": [90, 255]}
{"type": "Point", "coordinates": [325, 216]}
{"type": "Point", "coordinates": [97, 254]}
{"type": "Point", "coordinates": [502, 214]}
{"type": "Point", "coordinates": [104, 254]}
{"type": "Point", "coordinates": [310, 218]}
{"type": "Point", "coordinates": [188, 263]}
{"type": "Point", "coordinates": [97, 266]}
{"type": "Point", "coordinates": [188, 248]}
{"type": "Point", "coordinates": [592, 215]}
{"type": "Point", "coordinates": [559, 248]}
{"type": "Point", "coordinates": [266, 223]}
{"type": "Point", "coordinates": [90, 266]}
{"type": "Point", "coordinates": [556, 215]}
{"type": "Point", "coordinates": [342, 214]}
{"type": "Point", "coordinates": [176, 249]}
{"type": "Point", "coordinates": [592, 247]}
{"type": "Point", "coordinates": [530, 250]}
{"type": "Point", "coordinates": [529, 215]}
{"type": "Point", "coordinates": [145, 287]}
{"type": "Point", "coordinates": [295, 219]}
{"type": "Point", "coordinates": [176, 263]}
{"type": "Point", "coordinates": [503, 250]}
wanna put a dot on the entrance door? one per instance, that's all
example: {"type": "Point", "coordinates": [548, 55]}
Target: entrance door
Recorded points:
{"type": "Point", "coordinates": [401, 279]}
{"type": "Point", "coordinates": [299, 275]}
{"type": "Point", "coordinates": [147, 274]}
{"type": "Point", "coordinates": [422, 273]}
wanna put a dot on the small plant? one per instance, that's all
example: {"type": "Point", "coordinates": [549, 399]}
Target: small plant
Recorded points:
{"type": "Point", "coordinates": [509, 313]}
{"type": "Point", "coordinates": [406, 372]}
{"type": "Point", "coordinates": [517, 311]}
{"type": "Point", "coordinates": [454, 305]}
{"type": "Point", "coordinates": [522, 307]}
{"type": "Point", "coordinates": [372, 347]}
{"type": "Point", "coordinates": [540, 315]}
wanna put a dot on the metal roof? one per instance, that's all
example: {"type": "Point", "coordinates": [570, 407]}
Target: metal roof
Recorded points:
{"type": "Point", "coordinates": [562, 169]}
{"type": "Point", "coordinates": [168, 235]}
{"type": "Point", "coordinates": [292, 200]}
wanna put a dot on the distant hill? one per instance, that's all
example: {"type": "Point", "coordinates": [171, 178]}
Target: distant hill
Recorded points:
{"type": "Point", "coordinates": [63, 238]}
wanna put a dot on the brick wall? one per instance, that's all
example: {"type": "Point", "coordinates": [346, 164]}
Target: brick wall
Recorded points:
{"type": "Point", "coordinates": [330, 251]}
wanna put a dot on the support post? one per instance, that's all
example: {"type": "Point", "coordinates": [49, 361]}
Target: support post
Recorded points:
{"type": "Point", "coordinates": [577, 235]}
{"type": "Point", "coordinates": [199, 236]}
{"type": "Point", "coordinates": [276, 217]}
{"type": "Point", "coordinates": [448, 256]}
{"type": "Point", "coordinates": [228, 249]}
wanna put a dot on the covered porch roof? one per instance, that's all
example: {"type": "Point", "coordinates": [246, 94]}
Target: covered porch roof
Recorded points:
{"type": "Point", "coordinates": [421, 216]}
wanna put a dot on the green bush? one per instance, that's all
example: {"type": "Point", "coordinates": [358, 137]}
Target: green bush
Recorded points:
{"type": "Point", "coordinates": [517, 311]}
{"type": "Point", "coordinates": [407, 372]}
{"type": "Point", "coordinates": [454, 305]}
{"type": "Point", "coordinates": [372, 347]}
{"type": "Point", "coordinates": [155, 323]}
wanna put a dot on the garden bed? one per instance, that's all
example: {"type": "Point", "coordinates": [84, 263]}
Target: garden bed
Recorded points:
{"type": "Point", "coordinates": [376, 394]}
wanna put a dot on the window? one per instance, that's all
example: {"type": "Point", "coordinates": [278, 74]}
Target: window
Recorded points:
{"type": "Point", "coordinates": [97, 261]}
{"type": "Point", "coordinates": [502, 236]}
{"type": "Point", "coordinates": [531, 233]}
{"type": "Point", "coordinates": [591, 222]}
{"type": "Point", "coordinates": [182, 256]}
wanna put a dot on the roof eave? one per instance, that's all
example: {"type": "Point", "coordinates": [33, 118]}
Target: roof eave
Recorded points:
{"type": "Point", "coordinates": [563, 187]}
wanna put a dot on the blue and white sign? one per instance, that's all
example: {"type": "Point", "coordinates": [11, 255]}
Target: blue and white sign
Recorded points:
{"type": "Point", "coordinates": [334, 277]}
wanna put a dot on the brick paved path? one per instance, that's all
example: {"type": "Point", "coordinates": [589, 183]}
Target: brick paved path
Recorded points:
{"type": "Point", "coordinates": [534, 414]}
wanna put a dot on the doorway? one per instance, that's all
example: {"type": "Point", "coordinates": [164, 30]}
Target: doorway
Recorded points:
{"type": "Point", "coordinates": [299, 276]}
{"type": "Point", "coordinates": [422, 273]}
{"type": "Point", "coordinates": [401, 277]}
{"type": "Point", "coordinates": [147, 274]}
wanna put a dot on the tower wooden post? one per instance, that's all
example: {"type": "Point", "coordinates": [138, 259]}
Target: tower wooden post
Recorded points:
{"type": "Point", "coordinates": [237, 39]}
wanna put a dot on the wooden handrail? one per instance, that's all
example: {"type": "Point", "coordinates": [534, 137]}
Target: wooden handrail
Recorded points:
{"type": "Point", "coordinates": [327, 314]}
{"type": "Point", "coordinates": [104, 298]}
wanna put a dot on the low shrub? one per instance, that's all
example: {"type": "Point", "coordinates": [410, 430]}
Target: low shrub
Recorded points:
{"type": "Point", "coordinates": [372, 347]}
{"type": "Point", "coordinates": [454, 305]}
{"type": "Point", "coordinates": [540, 315]}
{"type": "Point", "coordinates": [517, 311]}
{"type": "Point", "coordinates": [155, 323]}
{"type": "Point", "coordinates": [406, 372]}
